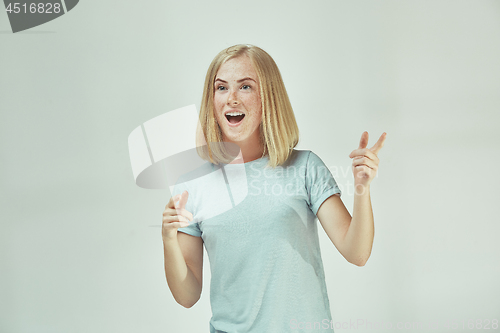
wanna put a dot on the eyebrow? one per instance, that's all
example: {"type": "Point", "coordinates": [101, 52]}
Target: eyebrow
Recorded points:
{"type": "Point", "coordinates": [244, 79]}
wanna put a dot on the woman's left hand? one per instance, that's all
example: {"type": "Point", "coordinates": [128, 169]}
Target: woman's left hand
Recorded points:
{"type": "Point", "coordinates": [365, 161]}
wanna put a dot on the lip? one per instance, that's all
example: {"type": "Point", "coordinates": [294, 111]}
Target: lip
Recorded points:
{"type": "Point", "coordinates": [233, 110]}
{"type": "Point", "coordinates": [235, 124]}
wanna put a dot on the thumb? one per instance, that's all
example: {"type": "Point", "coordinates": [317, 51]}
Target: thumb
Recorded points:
{"type": "Point", "coordinates": [364, 140]}
{"type": "Point", "coordinates": [182, 200]}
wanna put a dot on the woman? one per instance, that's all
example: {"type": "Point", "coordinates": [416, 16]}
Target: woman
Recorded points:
{"type": "Point", "coordinates": [267, 271]}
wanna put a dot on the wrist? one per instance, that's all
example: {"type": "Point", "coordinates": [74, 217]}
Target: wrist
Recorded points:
{"type": "Point", "coordinates": [170, 237]}
{"type": "Point", "coordinates": [361, 189]}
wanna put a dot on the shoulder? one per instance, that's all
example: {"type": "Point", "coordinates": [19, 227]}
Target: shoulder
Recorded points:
{"type": "Point", "coordinates": [299, 157]}
{"type": "Point", "coordinates": [305, 157]}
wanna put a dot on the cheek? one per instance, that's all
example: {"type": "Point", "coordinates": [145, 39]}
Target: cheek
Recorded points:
{"type": "Point", "coordinates": [216, 102]}
{"type": "Point", "coordinates": [254, 101]}
{"type": "Point", "coordinates": [217, 107]}
{"type": "Point", "coordinates": [258, 105]}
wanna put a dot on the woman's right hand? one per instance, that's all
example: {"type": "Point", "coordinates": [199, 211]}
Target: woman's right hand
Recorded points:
{"type": "Point", "coordinates": [175, 216]}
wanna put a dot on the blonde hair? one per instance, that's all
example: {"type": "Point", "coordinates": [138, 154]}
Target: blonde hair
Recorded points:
{"type": "Point", "coordinates": [279, 132]}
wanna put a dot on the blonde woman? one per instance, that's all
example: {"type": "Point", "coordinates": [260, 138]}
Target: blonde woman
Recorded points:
{"type": "Point", "coordinates": [265, 260]}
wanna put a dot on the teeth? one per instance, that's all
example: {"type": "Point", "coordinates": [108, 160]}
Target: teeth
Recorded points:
{"type": "Point", "coordinates": [234, 114]}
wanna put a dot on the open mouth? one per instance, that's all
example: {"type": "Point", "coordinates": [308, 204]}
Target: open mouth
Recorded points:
{"type": "Point", "coordinates": [234, 119]}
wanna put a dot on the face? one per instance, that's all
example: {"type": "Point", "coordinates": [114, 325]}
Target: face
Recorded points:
{"type": "Point", "coordinates": [237, 92]}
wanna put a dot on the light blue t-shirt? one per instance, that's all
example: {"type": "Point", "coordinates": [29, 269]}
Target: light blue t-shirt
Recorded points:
{"type": "Point", "coordinates": [260, 232]}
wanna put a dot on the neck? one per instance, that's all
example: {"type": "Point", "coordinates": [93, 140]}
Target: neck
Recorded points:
{"type": "Point", "coordinates": [249, 151]}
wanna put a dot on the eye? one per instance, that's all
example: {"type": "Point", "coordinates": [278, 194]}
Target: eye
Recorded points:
{"type": "Point", "coordinates": [246, 87]}
{"type": "Point", "coordinates": [220, 88]}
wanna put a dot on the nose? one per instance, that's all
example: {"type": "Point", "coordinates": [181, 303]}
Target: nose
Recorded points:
{"type": "Point", "coordinates": [233, 99]}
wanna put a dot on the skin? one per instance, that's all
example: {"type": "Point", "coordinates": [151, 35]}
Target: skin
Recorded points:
{"type": "Point", "coordinates": [237, 87]}
{"type": "Point", "coordinates": [352, 236]}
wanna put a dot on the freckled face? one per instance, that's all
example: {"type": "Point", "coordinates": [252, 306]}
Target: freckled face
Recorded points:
{"type": "Point", "coordinates": [237, 91]}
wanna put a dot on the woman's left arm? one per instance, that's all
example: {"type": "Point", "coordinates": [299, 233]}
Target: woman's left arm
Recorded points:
{"type": "Point", "coordinates": [353, 237]}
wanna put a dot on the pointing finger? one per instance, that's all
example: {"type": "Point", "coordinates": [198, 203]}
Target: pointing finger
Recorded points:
{"type": "Point", "coordinates": [171, 202]}
{"type": "Point", "coordinates": [379, 144]}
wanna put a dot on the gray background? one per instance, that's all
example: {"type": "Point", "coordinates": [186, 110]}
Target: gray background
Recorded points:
{"type": "Point", "coordinates": [77, 252]}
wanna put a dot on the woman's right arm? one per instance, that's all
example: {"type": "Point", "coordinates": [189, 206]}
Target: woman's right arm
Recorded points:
{"type": "Point", "coordinates": [183, 254]}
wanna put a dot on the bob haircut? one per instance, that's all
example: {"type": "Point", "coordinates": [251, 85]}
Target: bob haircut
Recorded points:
{"type": "Point", "coordinates": [279, 132]}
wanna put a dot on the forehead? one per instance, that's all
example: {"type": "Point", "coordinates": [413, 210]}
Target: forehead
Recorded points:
{"type": "Point", "coordinates": [237, 68]}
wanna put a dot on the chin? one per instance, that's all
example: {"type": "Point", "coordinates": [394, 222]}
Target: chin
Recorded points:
{"type": "Point", "coordinates": [233, 140]}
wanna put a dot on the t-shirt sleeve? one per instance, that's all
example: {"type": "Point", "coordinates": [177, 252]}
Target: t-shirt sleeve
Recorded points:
{"type": "Point", "coordinates": [192, 229]}
{"type": "Point", "coordinates": [320, 183]}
